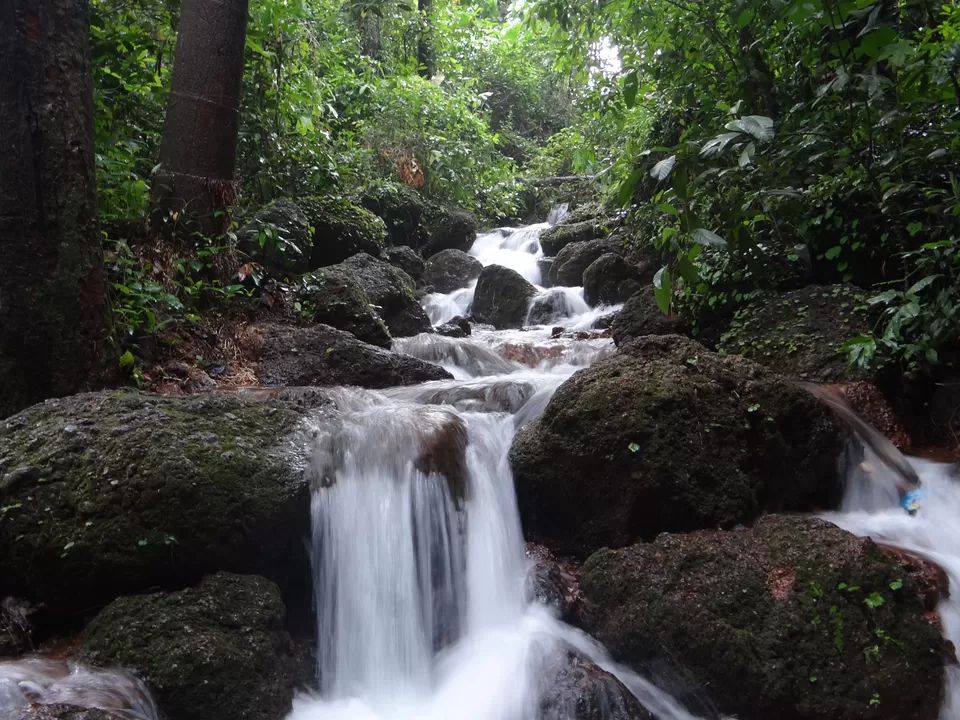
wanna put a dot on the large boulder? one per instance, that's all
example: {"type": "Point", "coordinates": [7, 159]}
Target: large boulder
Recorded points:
{"type": "Point", "coordinates": [341, 229]}
{"type": "Point", "coordinates": [502, 297]}
{"type": "Point", "coordinates": [667, 436]}
{"type": "Point", "coordinates": [392, 291]}
{"type": "Point", "coordinates": [558, 237]}
{"type": "Point", "coordinates": [402, 210]}
{"type": "Point", "coordinates": [799, 333]}
{"type": "Point", "coordinates": [609, 280]}
{"type": "Point", "coordinates": [450, 229]}
{"type": "Point", "coordinates": [278, 236]}
{"type": "Point", "coordinates": [332, 296]}
{"type": "Point", "coordinates": [451, 270]}
{"type": "Point", "coordinates": [322, 355]}
{"type": "Point", "coordinates": [217, 651]}
{"type": "Point", "coordinates": [109, 493]}
{"type": "Point", "coordinates": [792, 619]}
{"type": "Point", "coordinates": [574, 259]}
{"type": "Point", "coordinates": [640, 316]}
{"type": "Point", "coordinates": [407, 259]}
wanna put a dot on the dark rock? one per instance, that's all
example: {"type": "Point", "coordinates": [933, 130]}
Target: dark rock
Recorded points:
{"type": "Point", "coordinates": [16, 627]}
{"type": "Point", "coordinates": [450, 230]}
{"type": "Point", "coordinates": [502, 297]}
{"type": "Point", "coordinates": [799, 333]}
{"type": "Point", "coordinates": [550, 307]}
{"type": "Point", "coordinates": [558, 237]}
{"type": "Point", "coordinates": [65, 712]}
{"type": "Point", "coordinates": [574, 259]}
{"type": "Point", "coordinates": [551, 583]}
{"type": "Point", "coordinates": [574, 688]}
{"type": "Point", "coordinates": [322, 355]}
{"type": "Point", "coordinates": [217, 651]}
{"type": "Point", "coordinates": [456, 328]}
{"type": "Point", "coordinates": [610, 280]}
{"type": "Point", "coordinates": [402, 210]}
{"type": "Point", "coordinates": [341, 229]}
{"type": "Point", "coordinates": [667, 436]}
{"type": "Point", "coordinates": [451, 270]}
{"type": "Point", "coordinates": [505, 396]}
{"type": "Point", "coordinates": [545, 266]}
{"type": "Point", "coordinates": [392, 291]}
{"type": "Point", "coordinates": [287, 239]}
{"type": "Point", "coordinates": [443, 451]}
{"type": "Point", "coordinates": [332, 296]}
{"type": "Point", "coordinates": [152, 491]}
{"type": "Point", "coordinates": [793, 619]}
{"type": "Point", "coordinates": [641, 316]}
{"type": "Point", "coordinates": [405, 258]}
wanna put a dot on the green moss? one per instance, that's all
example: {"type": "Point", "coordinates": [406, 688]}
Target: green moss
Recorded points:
{"type": "Point", "coordinates": [341, 229]}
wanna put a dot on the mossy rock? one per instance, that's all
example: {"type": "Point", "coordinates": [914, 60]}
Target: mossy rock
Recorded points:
{"type": "Point", "coordinates": [668, 436]}
{"type": "Point", "coordinates": [640, 315]}
{"type": "Point", "coordinates": [502, 297]}
{"type": "Point", "coordinates": [332, 296]}
{"type": "Point", "coordinates": [402, 210]}
{"type": "Point", "coordinates": [800, 333]}
{"type": "Point", "coordinates": [450, 229]}
{"type": "Point", "coordinates": [558, 237]}
{"type": "Point", "coordinates": [407, 259]}
{"type": "Point", "coordinates": [451, 270]}
{"type": "Point", "coordinates": [392, 291]}
{"type": "Point", "coordinates": [109, 493]}
{"type": "Point", "coordinates": [341, 229]}
{"type": "Point", "coordinates": [217, 651]}
{"type": "Point", "coordinates": [794, 618]}
{"type": "Point", "coordinates": [573, 260]}
{"type": "Point", "coordinates": [278, 236]}
{"type": "Point", "coordinates": [610, 279]}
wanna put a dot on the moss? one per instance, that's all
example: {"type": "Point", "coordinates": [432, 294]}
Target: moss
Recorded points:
{"type": "Point", "coordinates": [402, 210]}
{"type": "Point", "coordinates": [341, 229]}
{"type": "Point", "coordinates": [332, 296]}
{"type": "Point", "coordinates": [558, 237]}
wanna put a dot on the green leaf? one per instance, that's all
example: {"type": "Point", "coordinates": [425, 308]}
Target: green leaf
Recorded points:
{"type": "Point", "coordinates": [631, 84]}
{"type": "Point", "coordinates": [873, 600]}
{"type": "Point", "coordinates": [745, 18]}
{"type": "Point", "coordinates": [127, 360]}
{"type": "Point", "coordinates": [921, 284]}
{"type": "Point", "coordinates": [759, 127]}
{"type": "Point", "coordinates": [661, 171]}
{"type": "Point", "coordinates": [625, 193]}
{"type": "Point", "coordinates": [708, 237]}
{"type": "Point", "coordinates": [833, 252]}
{"type": "Point", "coordinates": [662, 290]}
{"type": "Point", "coordinates": [896, 584]}
{"type": "Point", "coordinates": [718, 144]}
{"type": "Point", "coordinates": [668, 208]}
{"type": "Point", "coordinates": [633, 447]}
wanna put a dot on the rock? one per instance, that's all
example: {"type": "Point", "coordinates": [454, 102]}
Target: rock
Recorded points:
{"type": "Point", "coordinates": [799, 333]}
{"type": "Point", "coordinates": [666, 436]}
{"type": "Point", "coordinates": [405, 258]}
{"type": "Point", "coordinates": [793, 619]}
{"type": "Point", "coordinates": [641, 316]}
{"type": "Point", "coordinates": [332, 296]}
{"type": "Point", "coordinates": [929, 578]}
{"type": "Point", "coordinates": [456, 328]}
{"type": "Point", "coordinates": [450, 230]}
{"type": "Point", "coordinates": [65, 712]}
{"type": "Point", "coordinates": [217, 651]}
{"type": "Point", "coordinates": [392, 291]}
{"type": "Point", "coordinates": [545, 266]}
{"type": "Point", "coordinates": [287, 239]}
{"type": "Point", "coordinates": [558, 237]}
{"type": "Point", "coordinates": [870, 404]}
{"type": "Point", "coordinates": [506, 396]}
{"type": "Point", "coordinates": [552, 306]}
{"type": "Point", "coordinates": [574, 259]}
{"type": "Point", "coordinates": [401, 208]}
{"type": "Point", "coordinates": [443, 451]}
{"type": "Point", "coordinates": [609, 280]}
{"type": "Point", "coordinates": [341, 229]}
{"type": "Point", "coordinates": [152, 491]}
{"type": "Point", "coordinates": [502, 297]}
{"type": "Point", "coordinates": [574, 688]}
{"type": "Point", "coordinates": [16, 628]}
{"type": "Point", "coordinates": [451, 270]}
{"type": "Point", "coordinates": [322, 355]}
{"type": "Point", "coordinates": [551, 583]}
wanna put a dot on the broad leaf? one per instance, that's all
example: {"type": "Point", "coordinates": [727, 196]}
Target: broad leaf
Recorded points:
{"type": "Point", "coordinates": [718, 144]}
{"type": "Point", "coordinates": [662, 290]}
{"type": "Point", "coordinates": [661, 171]}
{"type": "Point", "coordinates": [630, 86]}
{"type": "Point", "coordinates": [708, 237]}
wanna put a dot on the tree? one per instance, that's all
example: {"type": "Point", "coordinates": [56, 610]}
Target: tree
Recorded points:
{"type": "Point", "coordinates": [424, 50]}
{"type": "Point", "coordinates": [54, 313]}
{"type": "Point", "coordinates": [198, 153]}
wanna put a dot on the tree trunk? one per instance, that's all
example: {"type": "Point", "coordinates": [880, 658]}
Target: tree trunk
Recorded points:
{"type": "Point", "coordinates": [198, 153]}
{"type": "Point", "coordinates": [424, 49]}
{"type": "Point", "coordinates": [54, 313]}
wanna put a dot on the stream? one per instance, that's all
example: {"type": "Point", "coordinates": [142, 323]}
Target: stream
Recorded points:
{"type": "Point", "coordinates": [424, 610]}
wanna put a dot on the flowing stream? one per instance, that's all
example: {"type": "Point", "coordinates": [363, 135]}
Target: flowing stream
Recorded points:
{"type": "Point", "coordinates": [424, 609]}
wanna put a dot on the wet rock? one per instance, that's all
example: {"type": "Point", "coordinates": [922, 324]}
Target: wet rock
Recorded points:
{"type": "Point", "coordinates": [868, 402]}
{"type": "Point", "coordinates": [450, 230]}
{"type": "Point", "coordinates": [407, 259]}
{"type": "Point", "coordinates": [451, 270]}
{"type": "Point", "coordinates": [552, 306]}
{"type": "Point", "coordinates": [930, 580]}
{"type": "Point", "coordinates": [285, 230]}
{"type": "Point", "coordinates": [402, 209]}
{"type": "Point", "coordinates": [456, 328]}
{"type": "Point", "coordinates": [161, 490]}
{"type": "Point", "coordinates": [574, 688]}
{"type": "Point", "coordinates": [341, 229]}
{"type": "Point", "coordinates": [443, 451]}
{"type": "Point", "coordinates": [558, 237]}
{"type": "Point", "coordinates": [793, 619]}
{"type": "Point", "coordinates": [473, 357]}
{"type": "Point", "coordinates": [545, 266]}
{"type": "Point", "coordinates": [799, 333]}
{"type": "Point", "coordinates": [217, 651]}
{"type": "Point", "coordinates": [574, 259]}
{"type": "Point", "coordinates": [502, 396]}
{"type": "Point", "coordinates": [609, 280]}
{"type": "Point", "coordinates": [641, 316]}
{"type": "Point", "coordinates": [16, 627]}
{"type": "Point", "coordinates": [551, 582]}
{"type": "Point", "coordinates": [391, 290]}
{"type": "Point", "coordinates": [65, 712]}
{"type": "Point", "coordinates": [332, 296]}
{"type": "Point", "coordinates": [530, 354]}
{"type": "Point", "coordinates": [502, 297]}
{"type": "Point", "coordinates": [667, 436]}
{"type": "Point", "coordinates": [322, 355]}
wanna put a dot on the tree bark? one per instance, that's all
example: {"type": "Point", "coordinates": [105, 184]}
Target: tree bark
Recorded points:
{"type": "Point", "coordinates": [198, 152]}
{"type": "Point", "coordinates": [424, 48]}
{"type": "Point", "coordinates": [55, 318]}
